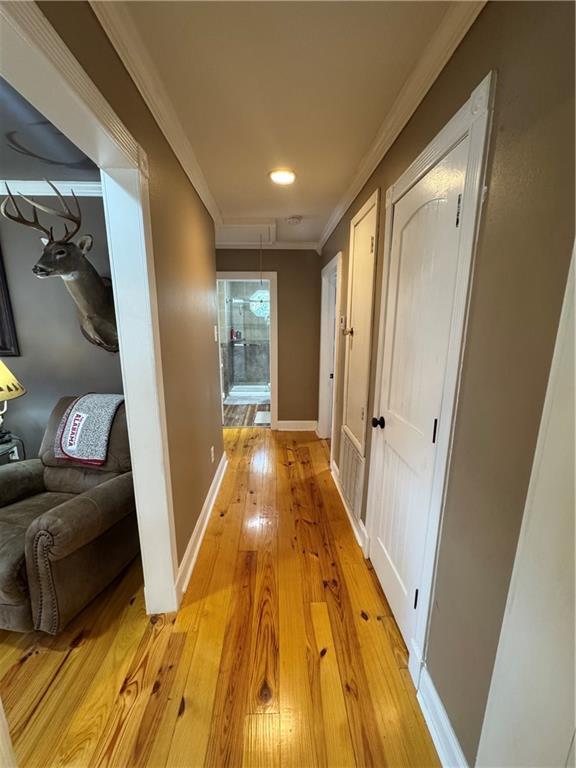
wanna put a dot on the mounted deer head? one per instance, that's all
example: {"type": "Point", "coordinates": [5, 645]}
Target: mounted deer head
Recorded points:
{"type": "Point", "coordinates": [62, 257]}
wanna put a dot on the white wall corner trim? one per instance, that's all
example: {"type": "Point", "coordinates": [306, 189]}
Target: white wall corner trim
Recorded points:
{"type": "Point", "coordinates": [191, 554]}
{"type": "Point", "coordinates": [457, 21]}
{"type": "Point", "coordinates": [439, 725]}
{"type": "Point", "coordinates": [297, 426]}
{"type": "Point", "coordinates": [118, 26]}
{"type": "Point", "coordinates": [358, 527]}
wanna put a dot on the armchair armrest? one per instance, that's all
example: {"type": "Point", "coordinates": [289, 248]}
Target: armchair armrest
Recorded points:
{"type": "Point", "coordinates": [75, 549]}
{"type": "Point", "coordinates": [20, 479]}
{"type": "Point", "coordinates": [76, 522]}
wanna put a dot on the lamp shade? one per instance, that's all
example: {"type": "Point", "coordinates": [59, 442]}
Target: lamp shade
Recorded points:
{"type": "Point", "coordinates": [10, 387]}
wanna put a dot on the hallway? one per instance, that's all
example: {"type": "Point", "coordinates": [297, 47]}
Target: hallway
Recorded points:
{"type": "Point", "coordinates": [284, 651]}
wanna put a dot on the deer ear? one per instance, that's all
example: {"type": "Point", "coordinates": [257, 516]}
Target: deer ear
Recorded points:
{"type": "Point", "coordinates": [44, 241]}
{"type": "Point", "coordinates": [85, 243]}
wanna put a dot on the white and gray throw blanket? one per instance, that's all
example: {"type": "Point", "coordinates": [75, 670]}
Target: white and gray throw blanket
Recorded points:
{"type": "Point", "coordinates": [84, 429]}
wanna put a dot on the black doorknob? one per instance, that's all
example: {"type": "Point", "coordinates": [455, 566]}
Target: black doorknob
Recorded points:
{"type": "Point", "coordinates": [378, 422]}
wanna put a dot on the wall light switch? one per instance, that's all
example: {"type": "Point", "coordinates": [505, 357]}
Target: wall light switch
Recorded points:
{"type": "Point", "coordinates": [212, 453]}
{"type": "Point", "coordinates": [216, 333]}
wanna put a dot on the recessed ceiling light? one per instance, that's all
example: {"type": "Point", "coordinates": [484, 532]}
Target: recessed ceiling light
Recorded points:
{"type": "Point", "coordinates": [294, 220]}
{"type": "Point", "coordinates": [282, 176]}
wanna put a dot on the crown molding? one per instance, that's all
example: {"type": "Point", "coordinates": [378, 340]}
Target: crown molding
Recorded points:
{"type": "Point", "coordinates": [457, 21]}
{"type": "Point", "coordinates": [118, 26]}
{"type": "Point", "coordinates": [43, 189]}
{"type": "Point", "coordinates": [280, 245]}
{"type": "Point", "coordinates": [121, 32]}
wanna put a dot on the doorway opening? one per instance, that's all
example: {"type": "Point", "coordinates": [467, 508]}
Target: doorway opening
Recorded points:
{"type": "Point", "coordinates": [329, 325]}
{"type": "Point", "coordinates": [246, 330]}
{"type": "Point", "coordinates": [70, 101]}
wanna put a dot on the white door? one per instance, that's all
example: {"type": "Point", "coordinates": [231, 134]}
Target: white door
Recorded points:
{"type": "Point", "coordinates": [362, 257]}
{"type": "Point", "coordinates": [331, 342]}
{"type": "Point", "coordinates": [327, 347]}
{"type": "Point", "coordinates": [419, 302]}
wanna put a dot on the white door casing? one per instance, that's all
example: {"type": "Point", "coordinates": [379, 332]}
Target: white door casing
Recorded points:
{"type": "Point", "coordinates": [358, 334]}
{"type": "Point", "coordinates": [272, 277]}
{"type": "Point", "coordinates": [452, 169]}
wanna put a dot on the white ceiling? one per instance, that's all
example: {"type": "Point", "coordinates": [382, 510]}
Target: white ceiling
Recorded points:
{"type": "Point", "coordinates": [244, 87]}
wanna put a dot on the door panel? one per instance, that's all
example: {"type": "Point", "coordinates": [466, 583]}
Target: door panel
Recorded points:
{"type": "Point", "coordinates": [360, 305]}
{"type": "Point", "coordinates": [420, 296]}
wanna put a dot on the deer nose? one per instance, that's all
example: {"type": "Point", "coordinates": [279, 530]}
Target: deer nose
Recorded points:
{"type": "Point", "coordinates": [39, 270]}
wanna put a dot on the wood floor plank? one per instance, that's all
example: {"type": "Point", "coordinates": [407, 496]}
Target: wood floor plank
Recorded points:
{"type": "Point", "coordinates": [230, 703]}
{"type": "Point", "coordinates": [339, 749]}
{"type": "Point", "coordinates": [264, 651]}
{"type": "Point", "coordinates": [367, 739]}
{"type": "Point", "coordinates": [299, 742]}
{"type": "Point", "coordinates": [400, 720]}
{"type": "Point", "coordinates": [90, 718]}
{"type": "Point", "coordinates": [261, 741]}
{"type": "Point", "coordinates": [69, 686]}
{"type": "Point", "coordinates": [123, 733]}
{"type": "Point", "coordinates": [191, 730]}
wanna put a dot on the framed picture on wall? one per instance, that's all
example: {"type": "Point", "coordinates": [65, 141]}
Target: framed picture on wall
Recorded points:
{"type": "Point", "coordinates": [8, 340]}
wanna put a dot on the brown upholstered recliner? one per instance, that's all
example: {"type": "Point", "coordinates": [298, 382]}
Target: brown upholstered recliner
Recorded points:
{"type": "Point", "coordinates": [66, 530]}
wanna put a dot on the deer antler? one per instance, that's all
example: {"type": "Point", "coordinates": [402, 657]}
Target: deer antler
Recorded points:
{"type": "Point", "coordinates": [19, 217]}
{"type": "Point", "coordinates": [65, 213]}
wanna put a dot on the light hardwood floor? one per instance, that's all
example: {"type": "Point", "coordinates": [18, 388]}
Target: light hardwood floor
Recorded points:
{"type": "Point", "coordinates": [284, 652]}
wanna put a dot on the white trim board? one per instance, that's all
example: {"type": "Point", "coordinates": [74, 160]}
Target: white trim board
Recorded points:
{"type": "Point", "coordinates": [272, 277]}
{"type": "Point", "coordinates": [37, 63]}
{"type": "Point", "coordinates": [43, 189]}
{"type": "Point", "coordinates": [186, 567]}
{"type": "Point", "coordinates": [358, 527]}
{"type": "Point", "coordinates": [297, 426]}
{"type": "Point", "coordinates": [119, 28]}
{"type": "Point", "coordinates": [439, 725]}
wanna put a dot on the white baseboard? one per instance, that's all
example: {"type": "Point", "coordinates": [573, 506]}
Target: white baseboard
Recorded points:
{"type": "Point", "coordinates": [439, 725]}
{"type": "Point", "coordinates": [358, 527]}
{"type": "Point", "coordinates": [297, 426]}
{"type": "Point", "coordinates": [188, 561]}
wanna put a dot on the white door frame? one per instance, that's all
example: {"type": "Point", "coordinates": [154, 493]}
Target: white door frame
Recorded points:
{"type": "Point", "coordinates": [334, 267]}
{"type": "Point", "coordinates": [37, 63]}
{"type": "Point", "coordinates": [272, 277]}
{"type": "Point", "coordinates": [472, 120]}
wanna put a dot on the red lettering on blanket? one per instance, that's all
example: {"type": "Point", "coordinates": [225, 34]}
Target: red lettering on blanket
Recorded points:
{"type": "Point", "coordinates": [77, 422]}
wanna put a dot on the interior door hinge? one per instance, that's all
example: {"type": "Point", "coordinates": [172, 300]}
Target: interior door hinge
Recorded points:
{"type": "Point", "coordinates": [415, 599]}
{"type": "Point", "coordinates": [458, 210]}
{"type": "Point", "coordinates": [434, 430]}
{"type": "Point", "coordinates": [372, 244]}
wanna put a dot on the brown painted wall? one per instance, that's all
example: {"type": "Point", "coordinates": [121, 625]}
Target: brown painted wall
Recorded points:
{"type": "Point", "coordinates": [298, 324]}
{"type": "Point", "coordinates": [526, 237]}
{"type": "Point", "coordinates": [183, 235]}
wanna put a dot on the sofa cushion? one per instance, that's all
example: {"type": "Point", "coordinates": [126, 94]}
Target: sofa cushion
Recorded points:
{"type": "Point", "coordinates": [14, 521]}
{"type": "Point", "coordinates": [65, 476]}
